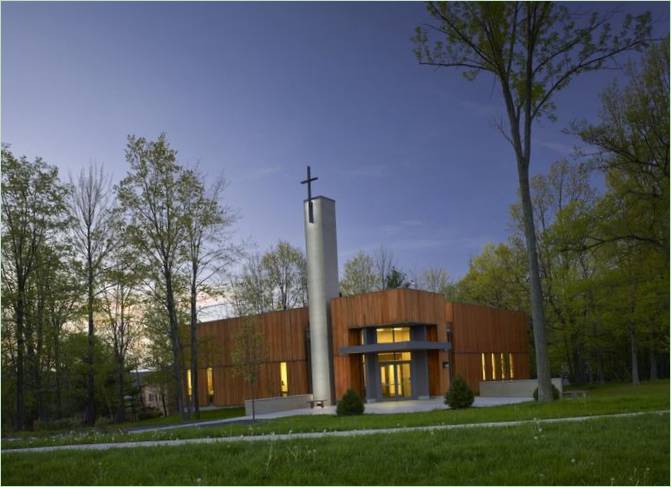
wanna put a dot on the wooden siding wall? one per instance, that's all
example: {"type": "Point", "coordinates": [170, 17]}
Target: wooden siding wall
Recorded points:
{"type": "Point", "coordinates": [478, 329]}
{"type": "Point", "coordinates": [284, 340]}
{"type": "Point", "coordinates": [388, 307]}
{"type": "Point", "coordinates": [475, 329]}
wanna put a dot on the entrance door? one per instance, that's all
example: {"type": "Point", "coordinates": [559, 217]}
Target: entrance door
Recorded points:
{"type": "Point", "coordinates": [395, 380]}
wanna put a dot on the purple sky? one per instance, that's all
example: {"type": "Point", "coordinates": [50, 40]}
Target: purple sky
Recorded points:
{"type": "Point", "coordinates": [257, 91]}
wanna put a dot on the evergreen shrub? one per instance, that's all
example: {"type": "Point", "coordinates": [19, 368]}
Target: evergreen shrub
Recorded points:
{"type": "Point", "coordinates": [350, 404]}
{"type": "Point", "coordinates": [460, 395]}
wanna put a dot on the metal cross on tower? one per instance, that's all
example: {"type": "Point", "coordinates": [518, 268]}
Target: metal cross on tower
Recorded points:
{"type": "Point", "coordinates": [308, 181]}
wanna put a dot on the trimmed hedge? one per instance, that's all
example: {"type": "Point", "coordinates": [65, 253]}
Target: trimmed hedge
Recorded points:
{"type": "Point", "coordinates": [460, 395]}
{"type": "Point", "coordinates": [350, 404]}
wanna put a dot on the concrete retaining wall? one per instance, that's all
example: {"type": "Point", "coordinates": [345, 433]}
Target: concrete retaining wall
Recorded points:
{"type": "Point", "coordinates": [513, 388]}
{"type": "Point", "coordinates": [275, 404]}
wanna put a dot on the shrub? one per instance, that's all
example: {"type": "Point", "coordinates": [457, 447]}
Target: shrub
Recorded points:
{"type": "Point", "coordinates": [555, 393]}
{"type": "Point", "coordinates": [148, 413]}
{"type": "Point", "coordinates": [103, 422]}
{"type": "Point", "coordinates": [460, 395]}
{"type": "Point", "coordinates": [350, 404]}
{"type": "Point", "coordinates": [56, 424]}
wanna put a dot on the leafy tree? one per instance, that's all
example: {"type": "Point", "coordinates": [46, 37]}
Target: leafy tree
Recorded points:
{"type": "Point", "coordinates": [437, 280]}
{"type": "Point", "coordinates": [384, 264]}
{"type": "Point", "coordinates": [90, 205]}
{"type": "Point", "coordinates": [286, 268]}
{"type": "Point", "coordinates": [359, 275]}
{"type": "Point", "coordinates": [251, 291]}
{"type": "Point", "coordinates": [396, 279]}
{"type": "Point", "coordinates": [248, 354]}
{"type": "Point", "coordinates": [120, 304]}
{"type": "Point", "coordinates": [533, 50]}
{"type": "Point", "coordinates": [153, 195]}
{"type": "Point", "coordinates": [497, 277]}
{"type": "Point", "coordinates": [207, 249]}
{"type": "Point", "coordinates": [33, 210]}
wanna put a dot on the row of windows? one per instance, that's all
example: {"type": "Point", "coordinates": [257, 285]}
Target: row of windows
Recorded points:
{"type": "Point", "coordinates": [284, 381]}
{"type": "Point", "coordinates": [497, 366]}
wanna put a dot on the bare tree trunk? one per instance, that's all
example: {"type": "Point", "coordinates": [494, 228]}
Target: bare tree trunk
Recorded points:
{"type": "Point", "coordinates": [57, 360]}
{"type": "Point", "coordinates": [20, 344]}
{"type": "Point", "coordinates": [121, 406]}
{"type": "Point", "coordinates": [653, 364]}
{"type": "Point", "coordinates": [194, 346]}
{"type": "Point", "coordinates": [176, 346]}
{"type": "Point", "coordinates": [634, 355]}
{"type": "Point", "coordinates": [537, 313]}
{"type": "Point", "coordinates": [90, 416]}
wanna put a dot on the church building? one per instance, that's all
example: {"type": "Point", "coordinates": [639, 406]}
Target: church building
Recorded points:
{"type": "Point", "coordinates": [386, 345]}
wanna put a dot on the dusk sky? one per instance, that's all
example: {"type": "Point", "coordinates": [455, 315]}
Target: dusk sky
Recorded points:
{"type": "Point", "coordinates": [255, 92]}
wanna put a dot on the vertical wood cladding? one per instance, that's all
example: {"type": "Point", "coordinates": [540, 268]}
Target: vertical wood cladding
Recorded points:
{"type": "Point", "coordinates": [284, 341]}
{"type": "Point", "coordinates": [480, 329]}
{"type": "Point", "coordinates": [475, 329]}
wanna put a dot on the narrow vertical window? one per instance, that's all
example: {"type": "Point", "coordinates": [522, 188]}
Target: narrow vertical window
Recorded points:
{"type": "Point", "coordinates": [484, 368]}
{"type": "Point", "coordinates": [284, 380]}
{"type": "Point", "coordinates": [493, 367]}
{"type": "Point", "coordinates": [503, 366]}
{"type": "Point", "coordinates": [188, 383]}
{"type": "Point", "coordinates": [512, 367]}
{"type": "Point", "coordinates": [210, 383]}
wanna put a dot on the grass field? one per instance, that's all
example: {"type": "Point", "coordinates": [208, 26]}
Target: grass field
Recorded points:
{"type": "Point", "coordinates": [602, 400]}
{"type": "Point", "coordinates": [612, 451]}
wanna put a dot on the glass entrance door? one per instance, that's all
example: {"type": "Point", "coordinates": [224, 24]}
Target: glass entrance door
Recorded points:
{"type": "Point", "coordinates": [395, 379]}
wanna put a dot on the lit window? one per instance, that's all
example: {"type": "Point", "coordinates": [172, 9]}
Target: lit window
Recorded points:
{"type": "Point", "coordinates": [484, 369]}
{"type": "Point", "coordinates": [503, 367]}
{"type": "Point", "coordinates": [284, 380]}
{"type": "Point", "coordinates": [394, 357]}
{"type": "Point", "coordinates": [493, 367]}
{"type": "Point", "coordinates": [392, 335]}
{"type": "Point", "coordinates": [210, 382]}
{"type": "Point", "coordinates": [188, 383]}
{"type": "Point", "coordinates": [512, 368]}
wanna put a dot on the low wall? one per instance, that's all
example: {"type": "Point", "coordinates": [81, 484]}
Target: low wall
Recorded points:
{"type": "Point", "coordinates": [275, 404]}
{"type": "Point", "coordinates": [513, 388]}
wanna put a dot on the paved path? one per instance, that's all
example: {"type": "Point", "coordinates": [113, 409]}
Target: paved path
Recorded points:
{"type": "Point", "coordinates": [324, 434]}
{"type": "Point", "coordinates": [383, 407]}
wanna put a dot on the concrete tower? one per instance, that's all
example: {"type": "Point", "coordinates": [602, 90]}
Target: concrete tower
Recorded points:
{"type": "Point", "coordinates": [322, 260]}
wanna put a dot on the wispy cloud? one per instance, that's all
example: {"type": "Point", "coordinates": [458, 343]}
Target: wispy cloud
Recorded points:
{"type": "Point", "coordinates": [367, 171]}
{"type": "Point", "coordinates": [391, 229]}
{"type": "Point", "coordinates": [260, 173]}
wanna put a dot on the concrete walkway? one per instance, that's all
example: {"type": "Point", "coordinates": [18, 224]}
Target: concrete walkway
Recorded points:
{"type": "Point", "coordinates": [385, 407]}
{"type": "Point", "coordinates": [324, 434]}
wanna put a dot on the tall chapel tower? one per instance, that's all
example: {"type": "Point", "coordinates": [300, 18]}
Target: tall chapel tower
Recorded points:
{"type": "Point", "coordinates": [322, 263]}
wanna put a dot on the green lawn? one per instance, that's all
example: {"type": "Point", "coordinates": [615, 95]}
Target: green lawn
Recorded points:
{"type": "Point", "coordinates": [598, 452]}
{"type": "Point", "coordinates": [221, 413]}
{"type": "Point", "coordinates": [608, 399]}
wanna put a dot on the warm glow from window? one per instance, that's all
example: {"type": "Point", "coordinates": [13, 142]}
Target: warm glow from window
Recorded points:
{"type": "Point", "coordinates": [188, 382]}
{"type": "Point", "coordinates": [493, 367]}
{"type": "Point", "coordinates": [284, 379]}
{"type": "Point", "coordinates": [484, 369]}
{"type": "Point", "coordinates": [210, 382]}
{"type": "Point", "coordinates": [503, 366]}
{"type": "Point", "coordinates": [512, 368]}
{"type": "Point", "coordinates": [394, 357]}
{"type": "Point", "coordinates": [392, 335]}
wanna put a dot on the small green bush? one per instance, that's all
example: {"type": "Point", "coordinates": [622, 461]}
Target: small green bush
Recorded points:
{"type": "Point", "coordinates": [102, 422]}
{"type": "Point", "coordinates": [555, 393]}
{"type": "Point", "coordinates": [350, 404]}
{"type": "Point", "coordinates": [460, 395]}
{"type": "Point", "coordinates": [57, 424]}
{"type": "Point", "coordinates": [148, 413]}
